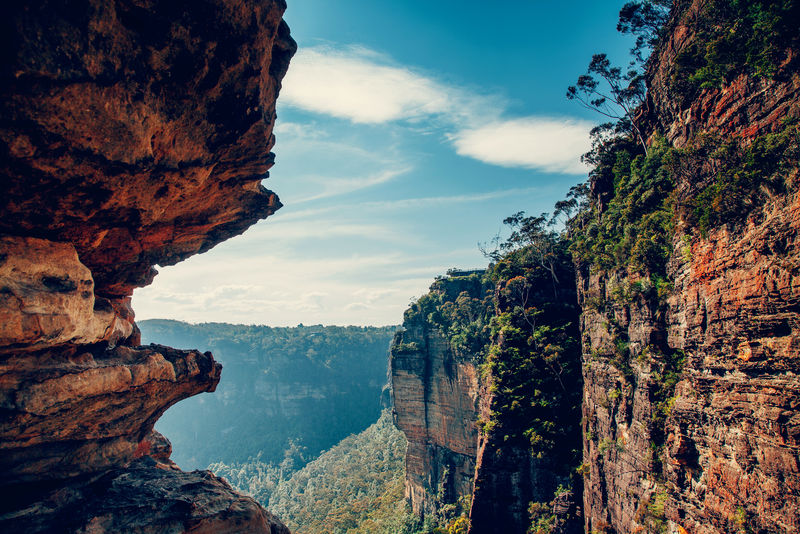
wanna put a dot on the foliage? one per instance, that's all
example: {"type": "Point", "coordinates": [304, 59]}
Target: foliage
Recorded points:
{"type": "Point", "coordinates": [543, 518]}
{"type": "Point", "coordinates": [630, 223]}
{"type": "Point", "coordinates": [459, 306]}
{"type": "Point", "coordinates": [614, 94]}
{"type": "Point", "coordinates": [651, 512]}
{"type": "Point", "coordinates": [281, 388]}
{"type": "Point", "coordinates": [734, 37]}
{"type": "Point", "coordinates": [634, 228]}
{"type": "Point", "coordinates": [667, 371]}
{"type": "Point", "coordinates": [645, 19]}
{"type": "Point", "coordinates": [534, 361]}
{"type": "Point", "coordinates": [356, 487]}
{"type": "Point", "coordinates": [743, 177]}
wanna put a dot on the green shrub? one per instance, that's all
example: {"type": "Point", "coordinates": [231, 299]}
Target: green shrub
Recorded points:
{"type": "Point", "coordinates": [735, 37]}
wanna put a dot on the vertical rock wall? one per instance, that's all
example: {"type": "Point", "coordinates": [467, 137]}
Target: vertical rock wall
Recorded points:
{"type": "Point", "coordinates": [434, 401]}
{"type": "Point", "coordinates": [435, 395]}
{"type": "Point", "coordinates": [726, 457]}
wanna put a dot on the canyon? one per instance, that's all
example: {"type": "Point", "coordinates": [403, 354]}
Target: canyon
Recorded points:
{"type": "Point", "coordinates": [542, 395]}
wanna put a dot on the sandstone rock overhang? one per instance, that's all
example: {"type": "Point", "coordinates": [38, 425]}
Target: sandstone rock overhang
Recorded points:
{"type": "Point", "coordinates": [139, 132]}
{"type": "Point", "coordinates": [133, 133]}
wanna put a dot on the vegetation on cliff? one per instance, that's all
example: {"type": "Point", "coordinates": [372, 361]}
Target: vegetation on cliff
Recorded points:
{"type": "Point", "coordinates": [733, 37]}
{"type": "Point", "coordinates": [534, 358]}
{"type": "Point", "coordinates": [710, 172]}
{"type": "Point", "coordinates": [518, 322]}
{"type": "Point", "coordinates": [647, 201]}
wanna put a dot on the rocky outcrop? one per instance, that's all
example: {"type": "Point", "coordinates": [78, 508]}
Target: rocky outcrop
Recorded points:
{"type": "Point", "coordinates": [147, 497]}
{"type": "Point", "coordinates": [84, 409]}
{"type": "Point", "coordinates": [486, 396]}
{"type": "Point", "coordinates": [726, 457]}
{"type": "Point", "coordinates": [619, 405]}
{"type": "Point", "coordinates": [138, 133]}
{"type": "Point", "coordinates": [132, 134]}
{"type": "Point", "coordinates": [435, 395]}
{"type": "Point", "coordinates": [529, 448]}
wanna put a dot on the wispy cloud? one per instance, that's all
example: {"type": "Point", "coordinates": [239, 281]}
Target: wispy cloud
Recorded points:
{"type": "Point", "coordinates": [403, 204]}
{"type": "Point", "coordinates": [359, 85]}
{"type": "Point", "coordinates": [547, 144]}
{"type": "Point", "coordinates": [329, 186]}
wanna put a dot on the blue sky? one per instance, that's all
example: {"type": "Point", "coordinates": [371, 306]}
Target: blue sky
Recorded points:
{"type": "Point", "coordinates": [407, 131]}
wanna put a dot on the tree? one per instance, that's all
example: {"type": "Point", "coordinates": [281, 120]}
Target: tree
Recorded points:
{"type": "Point", "coordinates": [532, 235]}
{"type": "Point", "coordinates": [577, 201]}
{"type": "Point", "coordinates": [644, 19]}
{"type": "Point", "coordinates": [614, 94]}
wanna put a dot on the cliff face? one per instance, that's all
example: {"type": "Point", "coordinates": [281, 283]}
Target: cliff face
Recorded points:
{"type": "Point", "coordinates": [687, 260]}
{"type": "Point", "coordinates": [132, 135]}
{"type": "Point", "coordinates": [699, 431]}
{"type": "Point", "coordinates": [435, 395]}
{"type": "Point", "coordinates": [484, 387]}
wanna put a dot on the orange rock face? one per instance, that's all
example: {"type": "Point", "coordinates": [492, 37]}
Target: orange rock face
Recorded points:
{"type": "Point", "coordinates": [139, 133]}
{"type": "Point", "coordinates": [132, 134]}
{"type": "Point", "coordinates": [48, 298]}
{"type": "Point", "coordinates": [435, 399]}
{"type": "Point", "coordinates": [729, 458]}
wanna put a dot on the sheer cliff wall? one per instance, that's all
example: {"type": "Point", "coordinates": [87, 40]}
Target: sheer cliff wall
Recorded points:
{"type": "Point", "coordinates": [132, 134]}
{"type": "Point", "coordinates": [435, 395]}
{"type": "Point", "coordinates": [690, 365]}
{"type": "Point", "coordinates": [720, 451]}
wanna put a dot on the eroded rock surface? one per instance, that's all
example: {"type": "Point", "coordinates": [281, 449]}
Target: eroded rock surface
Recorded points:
{"type": "Point", "coordinates": [133, 133]}
{"type": "Point", "coordinates": [435, 398]}
{"type": "Point", "coordinates": [139, 132]}
{"type": "Point", "coordinates": [147, 497]}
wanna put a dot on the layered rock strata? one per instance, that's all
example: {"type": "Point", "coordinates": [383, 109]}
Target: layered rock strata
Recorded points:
{"type": "Point", "coordinates": [132, 134]}
{"type": "Point", "coordinates": [435, 399]}
{"type": "Point", "coordinates": [435, 395]}
{"type": "Point", "coordinates": [727, 457]}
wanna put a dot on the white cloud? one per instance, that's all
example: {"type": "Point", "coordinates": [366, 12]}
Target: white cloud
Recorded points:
{"type": "Point", "coordinates": [548, 144]}
{"type": "Point", "coordinates": [364, 87]}
{"type": "Point", "coordinates": [357, 84]}
{"type": "Point", "coordinates": [329, 186]}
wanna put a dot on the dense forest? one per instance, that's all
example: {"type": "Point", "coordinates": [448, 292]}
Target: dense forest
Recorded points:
{"type": "Point", "coordinates": [285, 395]}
